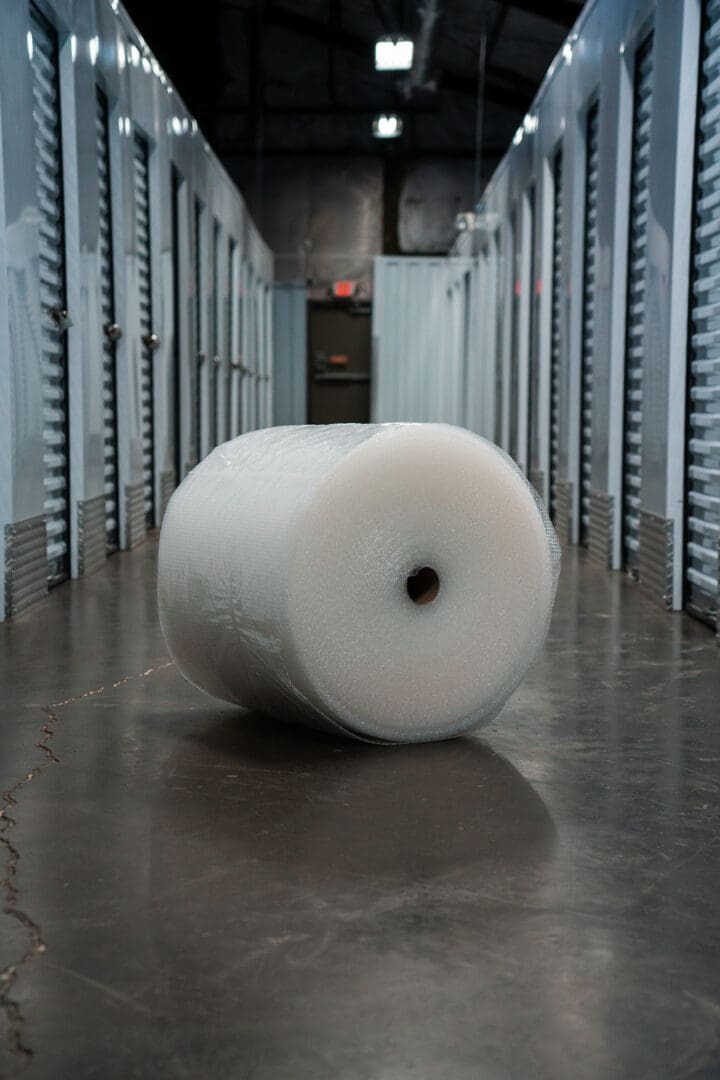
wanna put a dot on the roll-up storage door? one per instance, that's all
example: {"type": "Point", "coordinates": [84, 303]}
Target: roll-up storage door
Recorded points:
{"type": "Point", "coordinates": [110, 328]}
{"type": "Point", "coordinates": [515, 331]}
{"type": "Point", "coordinates": [48, 158]}
{"type": "Point", "coordinates": [592, 131]}
{"type": "Point", "coordinates": [498, 311]}
{"type": "Point", "coordinates": [142, 244]}
{"type": "Point", "coordinates": [217, 334]}
{"type": "Point", "coordinates": [530, 300]}
{"type": "Point", "coordinates": [229, 310]}
{"type": "Point", "coordinates": [201, 435]}
{"type": "Point", "coordinates": [555, 328]}
{"type": "Point", "coordinates": [635, 317]}
{"type": "Point", "coordinates": [702, 500]}
{"type": "Point", "coordinates": [176, 182]}
{"type": "Point", "coordinates": [257, 362]}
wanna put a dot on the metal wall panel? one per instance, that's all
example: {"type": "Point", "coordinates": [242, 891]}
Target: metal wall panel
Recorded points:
{"type": "Point", "coordinates": [610, 445]}
{"type": "Point", "coordinates": [421, 339]}
{"type": "Point", "coordinates": [69, 240]}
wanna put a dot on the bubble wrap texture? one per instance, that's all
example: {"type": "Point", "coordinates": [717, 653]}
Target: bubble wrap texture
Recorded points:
{"type": "Point", "coordinates": [283, 564]}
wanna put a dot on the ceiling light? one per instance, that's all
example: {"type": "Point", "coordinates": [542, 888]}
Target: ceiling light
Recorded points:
{"type": "Point", "coordinates": [393, 54]}
{"type": "Point", "coordinates": [387, 126]}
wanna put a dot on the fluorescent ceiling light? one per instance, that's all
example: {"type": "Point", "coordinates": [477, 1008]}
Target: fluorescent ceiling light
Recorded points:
{"type": "Point", "coordinates": [393, 54]}
{"type": "Point", "coordinates": [387, 126]}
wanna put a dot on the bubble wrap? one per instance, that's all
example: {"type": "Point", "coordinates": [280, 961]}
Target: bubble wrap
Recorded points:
{"type": "Point", "coordinates": [288, 558]}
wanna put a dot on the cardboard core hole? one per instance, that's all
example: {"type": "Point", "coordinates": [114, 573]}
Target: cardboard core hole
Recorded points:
{"type": "Point", "coordinates": [423, 585]}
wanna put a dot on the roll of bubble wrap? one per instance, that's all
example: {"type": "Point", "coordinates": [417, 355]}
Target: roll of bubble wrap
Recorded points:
{"type": "Point", "coordinates": [392, 581]}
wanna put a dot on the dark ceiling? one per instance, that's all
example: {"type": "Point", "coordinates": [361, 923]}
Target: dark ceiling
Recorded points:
{"type": "Point", "coordinates": [297, 76]}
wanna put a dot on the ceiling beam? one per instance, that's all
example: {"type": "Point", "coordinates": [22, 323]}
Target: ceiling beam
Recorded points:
{"type": "Point", "coordinates": [240, 108]}
{"type": "Point", "coordinates": [503, 86]}
{"type": "Point", "coordinates": [562, 12]}
{"type": "Point", "coordinates": [234, 152]}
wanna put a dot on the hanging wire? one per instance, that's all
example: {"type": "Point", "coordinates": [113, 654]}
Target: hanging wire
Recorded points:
{"type": "Point", "coordinates": [480, 107]}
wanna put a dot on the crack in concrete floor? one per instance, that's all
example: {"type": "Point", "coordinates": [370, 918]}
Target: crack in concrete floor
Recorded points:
{"type": "Point", "coordinates": [36, 945]}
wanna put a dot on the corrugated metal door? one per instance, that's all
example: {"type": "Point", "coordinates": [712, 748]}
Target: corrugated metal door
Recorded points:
{"type": "Point", "coordinates": [48, 157]}
{"type": "Point", "coordinates": [142, 248]}
{"type": "Point", "coordinates": [499, 309]}
{"type": "Point", "coordinates": [110, 328]}
{"type": "Point", "coordinates": [216, 335]}
{"type": "Point", "coordinates": [229, 336]}
{"type": "Point", "coordinates": [703, 425]}
{"type": "Point", "coordinates": [555, 328]}
{"type": "Point", "coordinates": [259, 353]}
{"type": "Point", "coordinates": [635, 317]}
{"type": "Point", "coordinates": [592, 130]}
{"type": "Point", "coordinates": [176, 183]}
{"type": "Point", "coordinates": [201, 435]}
{"type": "Point", "coordinates": [531, 301]}
{"type": "Point", "coordinates": [515, 332]}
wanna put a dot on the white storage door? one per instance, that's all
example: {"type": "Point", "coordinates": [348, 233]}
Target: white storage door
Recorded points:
{"type": "Point", "coordinates": [229, 337]}
{"type": "Point", "coordinates": [202, 435]}
{"type": "Point", "coordinates": [515, 329]}
{"type": "Point", "coordinates": [214, 376]}
{"type": "Point", "coordinates": [556, 311]}
{"type": "Point", "coordinates": [703, 427]}
{"type": "Point", "coordinates": [107, 300]}
{"type": "Point", "coordinates": [142, 250]}
{"type": "Point", "coordinates": [48, 156]}
{"type": "Point", "coordinates": [635, 318]}
{"type": "Point", "coordinates": [592, 131]}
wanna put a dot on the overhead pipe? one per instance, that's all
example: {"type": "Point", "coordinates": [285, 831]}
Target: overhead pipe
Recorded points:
{"type": "Point", "coordinates": [417, 79]}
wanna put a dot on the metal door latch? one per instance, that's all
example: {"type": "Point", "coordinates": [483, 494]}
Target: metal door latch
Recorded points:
{"type": "Point", "coordinates": [151, 341]}
{"type": "Point", "coordinates": [60, 318]}
{"type": "Point", "coordinates": [113, 331]}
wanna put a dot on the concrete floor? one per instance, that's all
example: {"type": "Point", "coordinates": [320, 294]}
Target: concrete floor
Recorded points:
{"type": "Point", "coordinates": [194, 892]}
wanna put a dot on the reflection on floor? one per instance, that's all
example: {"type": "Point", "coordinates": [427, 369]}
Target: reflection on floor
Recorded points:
{"type": "Point", "coordinates": [194, 892]}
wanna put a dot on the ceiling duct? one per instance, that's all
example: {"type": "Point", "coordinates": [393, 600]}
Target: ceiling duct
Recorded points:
{"type": "Point", "coordinates": [418, 78]}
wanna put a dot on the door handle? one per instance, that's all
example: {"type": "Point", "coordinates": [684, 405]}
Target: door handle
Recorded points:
{"type": "Point", "coordinates": [60, 318]}
{"type": "Point", "coordinates": [113, 331]}
{"type": "Point", "coordinates": [151, 341]}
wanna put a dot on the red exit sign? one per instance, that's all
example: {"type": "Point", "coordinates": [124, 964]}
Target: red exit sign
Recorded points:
{"type": "Point", "coordinates": [343, 289]}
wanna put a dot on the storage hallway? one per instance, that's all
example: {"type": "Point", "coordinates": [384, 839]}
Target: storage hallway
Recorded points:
{"type": "Point", "coordinates": [503, 216]}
